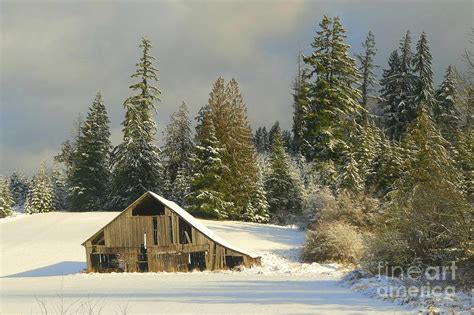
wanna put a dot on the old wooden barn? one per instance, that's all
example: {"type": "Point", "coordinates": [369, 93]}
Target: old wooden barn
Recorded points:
{"type": "Point", "coordinates": [155, 234]}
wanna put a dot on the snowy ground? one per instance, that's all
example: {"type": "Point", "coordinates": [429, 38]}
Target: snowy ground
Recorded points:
{"type": "Point", "coordinates": [41, 260]}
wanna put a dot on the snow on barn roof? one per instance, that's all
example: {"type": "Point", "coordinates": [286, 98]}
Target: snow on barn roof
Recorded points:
{"type": "Point", "coordinates": [186, 216]}
{"type": "Point", "coordinates": [198, 225]}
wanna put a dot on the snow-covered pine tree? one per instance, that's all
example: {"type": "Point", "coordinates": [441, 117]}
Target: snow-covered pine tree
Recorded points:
{"type": "Point", "coordinates": [362, 150]}
{"type": "Point", "coordinates": [19, 189]}
{"type": "Point", "coordinates": [367, 68]}
{"type": "Point", "coordinates": [287, 141]}
{"type": "Point", "coordinates": [463, 148]}
{"type": "Point", "coordinates": [41, 194]}
{"type": "Point", "coordinates": [58, 182]}
{"type": "Point", "coordinates": [272, 134]}
{"type": "Point", "coordinates": [349, 178]}
{"type": "Point", "coordinates": [228, 114]}
{"type": "Point", "coordinates": [6, 198]}
{"type": "Point", "coordinates": [137, 164]}
{"type": "Point", "coordinates": [390, 93]}
{"type": "Point", "coordinates": [333, 96]}
{"type": "Point", "coordinates": [283, 196]}
{"type": "Point", "coordinates": [446, 113]}
{"type": "Point", "coordinates": [424, 81]}
{"type": "Point", "coordinates": [257, 208]}
{"type": "Point", "coordinates": [177, 154]}
{"type": "Point", "coordinates": [206, 197]}
{"type": "Point", "coordinates": [300, 106]}
{"type": "Point", "coordinates": [405, 80]}
{"type": "Point", "coordinates": [427, 208]}
{"type": "Point", "coordinates": [239, 155]}
{"type": "Point", "coordinates": [89, 176]}
{"type": "Point", "coordinates": [386, 167]}
{"type": "Point", "coordinates": [260, 140]}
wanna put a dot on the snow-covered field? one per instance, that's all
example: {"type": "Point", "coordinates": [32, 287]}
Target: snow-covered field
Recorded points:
{"type": "Point", "coordinates": [42, 257]}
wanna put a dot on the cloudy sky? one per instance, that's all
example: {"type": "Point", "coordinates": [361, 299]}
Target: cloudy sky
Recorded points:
{"type": "Point", "coordinates": [55, 56]}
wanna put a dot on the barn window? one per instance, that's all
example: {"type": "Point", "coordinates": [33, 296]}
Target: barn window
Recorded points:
{"type": "Point", "coordinates": [149, 206]}
{"type": "Point", "coordinates": [155, 230]}
{"type": "Point", "coordinates": [185, 232]}
{"type": "Point", "coordinates": [171, 229]}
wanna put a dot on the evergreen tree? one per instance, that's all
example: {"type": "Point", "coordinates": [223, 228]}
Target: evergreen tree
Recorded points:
{"type": "Point", "coordinates": [405, 80]}
{"type": "Point", "coordinates": [287, 141]}
{"type": "Point", "coordinates": [206, 197]}
{"type": "Point", "coordinates": [463, 149]}
{"type": "Point", "coordinates": [6, 199]}
{"type": "Point", "coordinates": [283, 196]}
{"type": "Point", "coordinates": [177, 154]}
{"type": "Point", "coordinates": [227, 112]}
{"type": "Point", "coordinates": [424, 81]}
{"type": "Point", "coordinates": [58, 182]}
{"type": "Point", "coordinates": [385, 168]}
{"type": "Point", "coordinates": [427, 209]}
{"type": "Point", "coordinates": [272, 134]}
{"type": "Point", "coordinates": [367, 68]}
{"type": "Point", "coordinates": [300, 106]}
{"type": "Point", "coordinates": [390, 94]}
{"type": "Point", "coordinates": [333, 99]}
{"type": "Point", "coordinates": [137, 165]}
{"type": "Point", "coordinates": [19, 188]}
{"type": "Point", "coordinates": [239, 155]}
{"type": "Point", "coordinates": [349, 178]}
{"type": "Point", "coordinates": [446, 113]}
{"type": "Point", "coordinates": [41, 195]}
{"type": "Point", "coordinates": [260, 140]}
{"type": "Point", "coordinates": [257, 208]}
{"type": "Point", "coordinates": [89, 174]}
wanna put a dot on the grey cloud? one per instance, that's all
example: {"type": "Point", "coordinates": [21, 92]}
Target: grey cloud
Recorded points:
{"type": "Point", "coordinates": [56, 55]}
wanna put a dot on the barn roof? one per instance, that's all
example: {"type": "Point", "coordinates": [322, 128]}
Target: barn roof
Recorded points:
{"type": "Point", "coordinates": [187, 217]}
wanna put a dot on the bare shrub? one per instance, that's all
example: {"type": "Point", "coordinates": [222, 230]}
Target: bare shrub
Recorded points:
{"type": "Point", "coordinates": [334, 241]}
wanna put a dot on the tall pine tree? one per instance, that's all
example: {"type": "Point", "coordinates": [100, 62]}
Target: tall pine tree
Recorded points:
{"type": "Point", "coordinates": [283, 196]}
{"type": "Point", "coordinates": [422, 66]}
{"type": "Point", "coordinates": [89, 175]}
{"type": "Point", "coordinates": [390, 94]}
{"type": "Point", "coordinates": [228, 113]}
{"type": "Point", "coordinates": [207, 197]}
{"type": "Point", "coordinates": [137, 165]}
{"type": "Point", "coordinates": [333, 98]}
{"type": "Point", "coordinates": [367, 68]}
{"type": "Point", "coordinates": [177, 154]}
{"type": "Point", "coordinates": [446, 113]}
{"type": "Point", "coordinates": [300, 106]}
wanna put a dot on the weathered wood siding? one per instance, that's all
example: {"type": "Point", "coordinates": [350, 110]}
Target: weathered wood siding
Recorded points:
{"type": "Point", "coordinates": [125, 235]}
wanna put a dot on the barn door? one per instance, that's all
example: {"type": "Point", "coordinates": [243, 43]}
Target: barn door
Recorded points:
{"type": "Point", "coordinates": [142, 259]}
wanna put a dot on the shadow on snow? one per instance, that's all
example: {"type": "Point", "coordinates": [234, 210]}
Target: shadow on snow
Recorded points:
{"type": "Point", "coordinates": [59, 269]}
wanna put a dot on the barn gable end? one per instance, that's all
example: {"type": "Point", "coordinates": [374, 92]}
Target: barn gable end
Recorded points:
{"type": "Point", "coordinates": [155, 234]}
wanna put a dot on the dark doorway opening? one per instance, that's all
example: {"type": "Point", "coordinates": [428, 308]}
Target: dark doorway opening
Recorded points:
{"type": "Point", "coordinates": [197, 260]}
{"type": "Point", "coordinates": [143, 259]}
{"type": "Point", "coordinates": [105, 262]}
{"type": "Point", "coordinates": [233, 261]}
